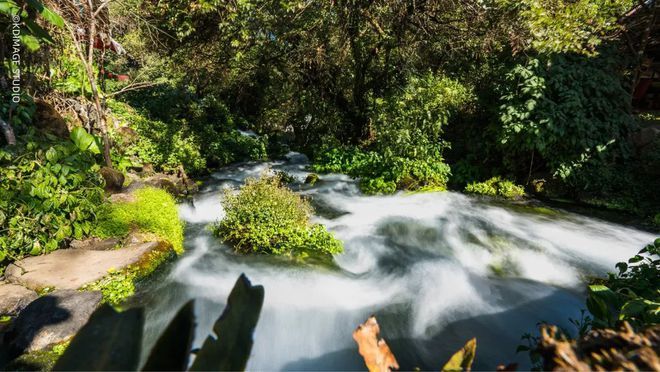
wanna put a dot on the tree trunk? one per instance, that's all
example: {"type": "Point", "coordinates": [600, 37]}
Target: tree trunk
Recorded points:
{"type": "Point", "coordinates": [8, 132]}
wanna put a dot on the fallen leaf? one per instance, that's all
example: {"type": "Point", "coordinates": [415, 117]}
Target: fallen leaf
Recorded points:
{"type": "Point", "coordinates": [377, 355]}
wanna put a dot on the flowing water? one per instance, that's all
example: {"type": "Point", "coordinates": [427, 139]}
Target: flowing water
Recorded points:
{"type": "Point", "coordinates": [437, 269]}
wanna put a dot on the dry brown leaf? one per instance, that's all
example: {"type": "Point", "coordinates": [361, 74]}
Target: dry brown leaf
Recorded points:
{"type": "Point", "coordinates": [377, 355]}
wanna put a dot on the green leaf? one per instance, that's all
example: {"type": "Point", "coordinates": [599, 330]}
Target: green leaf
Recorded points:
{"type": "Point", "coordinates": [84, 141]}
{"type": "Point", "coordinates": [462, 359]}
{"type": "Point", "coordinates": [173, 347]}
{"type": "Point", "coordinates": [30, 42]}
{"type": "Point", "coordinates": [110, 341]}
{"type": "Point", "coordinates": [231, 349]}
{"type": "Point", "coordinates": [48, 14]}
{"type": "Point", "coordinates": [8, 7]}
{"type": "Point", "coordinates": [632, 308]}
{"type": "Point", "coordinates": [51, 155]}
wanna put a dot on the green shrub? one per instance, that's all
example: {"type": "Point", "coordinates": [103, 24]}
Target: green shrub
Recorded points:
{"type": "Point", "coordinates": [154, 211]}
{"type": "Point", "coordinates": [384, 175]}
{"type": "Point", "coordinates": [657, 219]}
{"type": "Point", "coordinates": [49, 193]}
{"type": "Point", "coordinates": [632, 294]}
{"type": "Point", "coordinates": [568, 109]}
{"type": "Point", "coordinates": [194, 142]}
{"type": "Point", "coordinates": [409, 123]}
{"type": "Point", "coordinates": [496, 187]}
{"type": "Point", "coordinates": [266, 217]}
{"type": "Point", "coordinates": [406, 152]}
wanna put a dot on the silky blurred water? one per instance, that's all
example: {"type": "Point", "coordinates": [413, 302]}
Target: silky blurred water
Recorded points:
{"type": "Point", "coordinates": [437, 269]}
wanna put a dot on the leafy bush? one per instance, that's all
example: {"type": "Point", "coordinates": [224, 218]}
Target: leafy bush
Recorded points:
{"type": "Point", "coordinates": [406, 152]}
{"type": "Point", "coordinates": [632, 294]}
{"type": "Point", "coordinates": [381, 174]}
{"type": "Point", "coordinates": [266, 217]}
{"type": "Point", "coordinates": [49, 193]}
{"type": "Point", "coordinates": [154, 211]}
{"type": "Point", "coordinates": [195, 143]}
{"type": "Point", "coordinates": [569, 109]}
{"type": "Point", "coordinates": [409, 123]}
{"type": "Point", "coordinates": [496, 187]}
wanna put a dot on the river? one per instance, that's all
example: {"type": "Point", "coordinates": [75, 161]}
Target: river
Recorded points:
{"type": "Point", "coordinates": [436, 268]}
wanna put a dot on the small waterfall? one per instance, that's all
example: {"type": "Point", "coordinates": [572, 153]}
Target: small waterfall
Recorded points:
{"type": "Point", "coordinates": [436, 268]}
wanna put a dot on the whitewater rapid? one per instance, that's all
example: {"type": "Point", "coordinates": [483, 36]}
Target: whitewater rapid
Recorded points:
{"type": "Point", "coordinates": [436, 268]}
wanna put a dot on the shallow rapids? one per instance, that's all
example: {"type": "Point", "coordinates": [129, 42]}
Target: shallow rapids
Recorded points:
{"type": "Point", "coordinates": [437, 269]}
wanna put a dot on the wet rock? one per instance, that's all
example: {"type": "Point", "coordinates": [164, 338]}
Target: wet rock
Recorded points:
{"type": "Point", "coordinates": [49, 120]}
{"type": "Point", "coordinates": [312, 179]}
{"type": "Point", "coordinates": [14, 298]}
{"type": "Point", "coordinates": [73, 268]}
{"type": "Point", "coordinates": [95, 244]}
{"type": "Point", "coordinates": [176, 186]}
{"type": "Point", "coordinates": [114, 179]}
{"type": "Point", "coordinates": [51, 319]}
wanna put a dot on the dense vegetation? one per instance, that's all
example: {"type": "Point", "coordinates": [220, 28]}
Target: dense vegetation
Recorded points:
{"type": "Point", "coordinates": [266, 217]}
{"type": "Point", "coordinates": [503, 98]}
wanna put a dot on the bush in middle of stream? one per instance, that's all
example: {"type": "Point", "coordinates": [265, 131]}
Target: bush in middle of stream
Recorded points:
{"type": "Point", "coordinates": [266, 217]}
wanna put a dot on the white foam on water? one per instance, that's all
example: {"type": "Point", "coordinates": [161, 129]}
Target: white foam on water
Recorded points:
{"type": "Point", "coordinates": [428, 260]}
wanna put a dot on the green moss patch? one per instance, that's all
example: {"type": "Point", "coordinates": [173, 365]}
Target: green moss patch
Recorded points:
{"type": "Point", "coordinates": [496, 186]}
{"type": "Point", "coordinates": [154, 211]}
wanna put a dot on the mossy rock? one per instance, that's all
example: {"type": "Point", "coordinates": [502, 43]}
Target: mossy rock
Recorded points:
{"type": "Point", "coordinates": [312, 179]}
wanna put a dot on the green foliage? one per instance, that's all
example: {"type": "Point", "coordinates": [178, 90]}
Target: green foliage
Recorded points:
{"type": "Point", "coordinates": [496, 186]}
{"type": "Point", "coordinates": [32, 35]}
{"type": "Point", "coordinates": [154, 211]}
{"type": "Point", "coordinates": [205, 140]}
{"type": "Point", "coordinates": [406, 153]}
{"type": "Point", "coordinates": [384, 175]}
{"type": "Point", "coordinates": [569, 109]}
{"type": "Point", "coordinates": [632, 294]}
{"type": "Point", "coordinates": [409, 124]}
{"type": "Point", "coordinates": [119, 285]}
{"type": "Point", "coordinates": [565, 26]}
{"type": "Point", "coordinates": [266, 217]}
{"type": "Point", "coordinates": [49, 193]}
{"type": "Point", "coordinates": [18, 115]}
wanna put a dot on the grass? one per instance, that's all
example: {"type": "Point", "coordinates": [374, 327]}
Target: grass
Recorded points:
{"type": "Point", "coordinates": [154, 211]}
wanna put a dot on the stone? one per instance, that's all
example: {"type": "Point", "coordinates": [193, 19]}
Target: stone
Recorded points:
{"type": "Point", "coordinates": [176, 186]}
{"type": "Point", "coordinates": [147, 170]}
{"type": "Point", "coordinates": [312, 179]}
{"type": "Point", "coordinates": [95, 244]}
{"type": "Point", "coordinates": [52, 319]}
{"type": "Point", "coordinates": [114, 179]}
{"type": "Point", "coordinates": [48, 119]}
{"type": "Point", "coordinates": [14, 298]}
{"type": "Point", "coordinates": [73, 268]}
{"type": "Point", "coordinates": [122, 198]}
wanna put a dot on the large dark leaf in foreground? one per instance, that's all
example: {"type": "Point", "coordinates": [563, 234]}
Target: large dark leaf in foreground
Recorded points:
{"type": "Point", "coordinates": [110, 341]}
{"type": "Point", "coordinates": [172, 350]}
{"type": "Point", "coordinates": [230, 350]}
